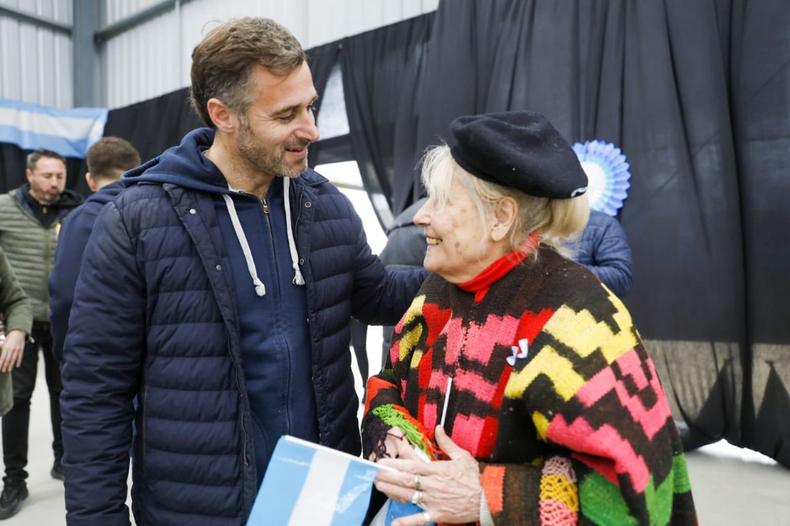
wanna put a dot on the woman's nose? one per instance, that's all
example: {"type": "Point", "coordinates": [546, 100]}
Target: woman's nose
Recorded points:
{"type": "Point", "coordinates": [421, 218]}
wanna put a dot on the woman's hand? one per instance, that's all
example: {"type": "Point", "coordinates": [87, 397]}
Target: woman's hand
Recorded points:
{"type": "Point", "coordinates": [396, 446]}
{"type": "Point", "coordinates": [13, 350]}
{"type": "Point", "coordinates": [450, 489]}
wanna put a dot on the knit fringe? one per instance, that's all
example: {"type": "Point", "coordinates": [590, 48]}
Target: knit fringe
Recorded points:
{"type": "Point", "coordinates": [415, 432]}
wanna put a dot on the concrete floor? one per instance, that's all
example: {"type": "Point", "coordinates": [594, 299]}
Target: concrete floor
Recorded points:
{"type": "Point", "coordinates": [730, 485]}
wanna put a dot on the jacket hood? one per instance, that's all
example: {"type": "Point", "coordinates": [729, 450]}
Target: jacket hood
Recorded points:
{"type": "Point", "coordinates": [183, 165]}
{"type": "Point", "coordinates": [186, 166]}
{"type": "Point", "coordinates": [70, 199]}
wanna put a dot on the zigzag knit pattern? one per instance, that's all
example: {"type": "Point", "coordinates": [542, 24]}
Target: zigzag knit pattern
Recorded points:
{"type": "Point", "coordinates": [579, 430]}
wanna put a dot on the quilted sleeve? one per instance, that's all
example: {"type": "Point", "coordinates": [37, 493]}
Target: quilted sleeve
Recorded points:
{"type": "Point", "coordinates": [102, 361]}
{"type": "Point", "coordinates": [380, 296]}
{"type": "Point", "coordinates": [13, 301]}
{"type": "Point", "coordinates": [593, 396]}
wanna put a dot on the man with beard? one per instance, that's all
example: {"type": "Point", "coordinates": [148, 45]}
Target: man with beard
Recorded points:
{"type": "Point", "coordinates": [218, 289]}
{"type": "Point", "coordinates": [30, 218]}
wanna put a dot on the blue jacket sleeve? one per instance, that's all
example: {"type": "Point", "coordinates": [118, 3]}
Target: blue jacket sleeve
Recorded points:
{"type": "Point", "coordinates": [72, 239]}
{"type": "Point", "coordinates": [380, 297]}
{"type": "Point", "coordinates": [102, 360]}
{"type": "Point", "coordinates": [611, 257]}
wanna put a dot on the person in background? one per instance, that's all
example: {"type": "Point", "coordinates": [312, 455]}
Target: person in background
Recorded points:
{"type": "Point", "coordinates": [515, 371]}
{"type": "Point", "coordinates": [107, 160]}
{"type": "Point", "coordinates": [30, 217]}
{"type": "Point", "coordinates": [17, 321]}
{"type": "Point", "coordinates": [218, 289]}
{"type": "Point", "coordinates": [603, 248]}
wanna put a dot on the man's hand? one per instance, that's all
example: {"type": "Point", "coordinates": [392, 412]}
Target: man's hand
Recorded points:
{"type": "Point", "coordinates": [13, 350]}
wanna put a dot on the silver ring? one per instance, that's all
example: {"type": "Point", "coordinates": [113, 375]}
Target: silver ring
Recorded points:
{"type": "Point", "coordinates": [426, 517]}
{"type": "Point", "coordinates": [416, 499]}
{"type": "Point", "coordinates": [417, 484]}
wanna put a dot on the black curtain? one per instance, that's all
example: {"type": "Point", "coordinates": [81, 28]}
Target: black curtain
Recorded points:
{"type": "Point", "coordinates": [696, 96]}
{"type": "Point", "coordinates": [760, 102]}
{"type": "Point", "coordinates": [321, 60]}
{"type": "Point", "coordinates": [380, 69]}
{"type": "Point", "coordinates": [154, 125]}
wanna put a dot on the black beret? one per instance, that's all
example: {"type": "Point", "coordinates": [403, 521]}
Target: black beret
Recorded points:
{"type": "Point", "coordinates": [521, 150]}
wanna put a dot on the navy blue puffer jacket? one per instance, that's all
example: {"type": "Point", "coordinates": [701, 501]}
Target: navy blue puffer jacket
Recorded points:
{"type": "Point", "coordinates": [604, 249]}
{"type": "Point", "coordinates": [155, 316]}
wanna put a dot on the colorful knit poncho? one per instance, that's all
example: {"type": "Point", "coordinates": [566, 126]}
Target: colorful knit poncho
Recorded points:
{"type": "Point", "coordinates": [576, 430]}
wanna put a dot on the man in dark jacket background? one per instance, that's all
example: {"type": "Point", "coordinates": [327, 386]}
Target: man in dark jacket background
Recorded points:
{"type": "Point", "coordinates": [218, 289]}
{"type": "Point", "coordinates": [604, 249]}
{"type": "Point", "coordinates": [30, 217]}
{"type": "Point", "coordinates": [107, 160]}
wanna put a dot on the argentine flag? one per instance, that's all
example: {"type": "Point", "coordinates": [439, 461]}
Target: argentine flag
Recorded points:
{"type": "Point", "coordinates": [67, 132]}
{"type": "Point", "coordinates": [308, 484]}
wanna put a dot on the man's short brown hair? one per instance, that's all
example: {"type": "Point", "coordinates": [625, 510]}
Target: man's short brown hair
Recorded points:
{"type": "Point", "coordinates": [221, 63]}
{"type": "Point", "coordinates": [110, 157]}
{"type": "Point", "coordinates": [33, 158]}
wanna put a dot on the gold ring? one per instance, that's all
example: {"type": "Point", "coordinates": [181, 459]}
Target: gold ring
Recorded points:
{"type": "Point", "coordinates": [417, 485]}
{"type": "Point", "coordinates": [416, 499]}
{"type": "Point", "coordinates": [426, 517]}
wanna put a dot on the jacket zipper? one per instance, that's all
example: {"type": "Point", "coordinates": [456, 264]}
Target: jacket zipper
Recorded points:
{"type": "Point", "coordinates": [298, 217]}
{"type": "Point", "coordinates": [241, 394]}
{"type": "Point", "coordinates": [287, 354]}
{"type": "Point", "coordinates": [309, 327]}
{"type": "Point", "coordinates": [142, 420]}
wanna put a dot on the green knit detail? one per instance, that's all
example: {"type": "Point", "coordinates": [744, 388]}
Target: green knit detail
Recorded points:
{"type": "Point", "coordinates": [388, 375]}
{"type": "Point", "coordinates": [602, 503]}
{"type": "Point", "coordinates": [394, 418]}
{"type": "Point", "coordinates": [681, 474]}
{"type": "Point", "coordinates": [659, 501]}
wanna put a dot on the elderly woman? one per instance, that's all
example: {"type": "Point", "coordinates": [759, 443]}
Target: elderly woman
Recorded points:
{"type": "Point", "coordinates": [555, 413]}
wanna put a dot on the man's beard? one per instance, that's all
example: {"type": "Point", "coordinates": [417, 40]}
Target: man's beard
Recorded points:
{"type": "Point", "coordinates": [269, 159]}
{"type": "Point", "coordinates": [45, 198]}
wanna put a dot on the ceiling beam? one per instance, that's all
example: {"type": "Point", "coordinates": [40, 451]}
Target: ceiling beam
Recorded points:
{"type": "Point", "coordinates": [32, 18]}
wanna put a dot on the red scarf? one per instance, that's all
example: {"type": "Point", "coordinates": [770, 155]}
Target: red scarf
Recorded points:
{"type": "Point", "coordinates": [496, 270]}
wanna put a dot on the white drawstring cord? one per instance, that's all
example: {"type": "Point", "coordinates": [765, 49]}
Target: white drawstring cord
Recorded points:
{"type": "Point", "coordinates": [298, 278]}
{"type": "Point", "coordinates": [260, 288]}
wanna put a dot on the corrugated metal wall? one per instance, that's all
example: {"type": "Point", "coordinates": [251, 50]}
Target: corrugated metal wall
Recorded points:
{"type": "Point", "coordinates": [155, 58]}
{"type": "Point", "coordinates": [36, 63]}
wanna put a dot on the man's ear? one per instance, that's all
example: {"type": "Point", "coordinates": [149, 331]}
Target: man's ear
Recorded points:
{"type": "Point", "coordinates": [504, 216]}
{"type": "Point", "coordinates": [90, 181]}
{"type": "Point", "coordinates": [224, 118]}
{"type": "Point", "coordinates": [28, 174]}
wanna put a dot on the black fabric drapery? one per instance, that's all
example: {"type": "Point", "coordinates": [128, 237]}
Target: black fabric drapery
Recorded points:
{"type": "Point", "coordinates": [321, 60]}
{"type": "Point", "coordinates": [380, 68]}
{"type": "Point", "coordinates": [696, 96]}
{"type": "Point", "coordinates": [154, 125]}
{"type": "Point", "coordinates": [760, 101]}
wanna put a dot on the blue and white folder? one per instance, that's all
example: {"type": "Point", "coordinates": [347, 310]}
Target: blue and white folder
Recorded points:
{"type": "Point", "coordinates": [311, 485]}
